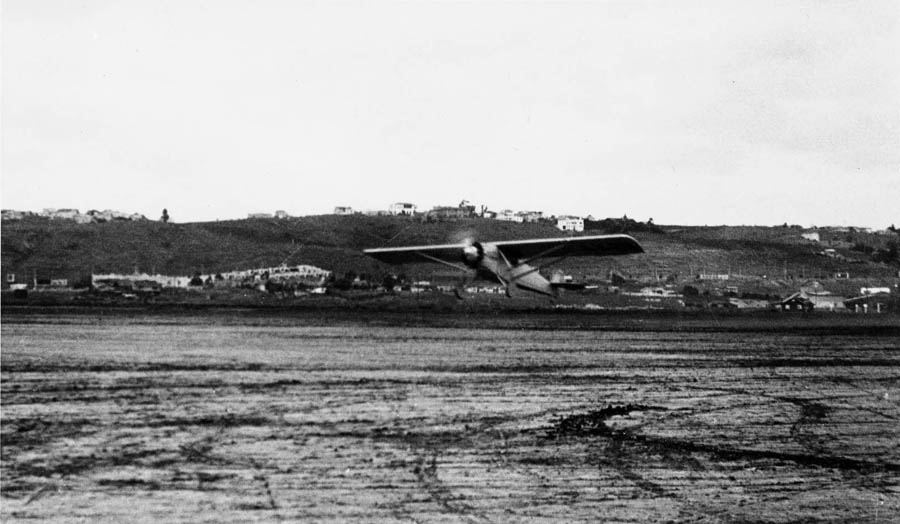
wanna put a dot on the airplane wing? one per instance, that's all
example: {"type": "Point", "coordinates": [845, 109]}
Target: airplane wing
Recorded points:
{"type": "Point", "coordinates": [597, 246]}
{"type": "Point", "coordinates": [414, 254]}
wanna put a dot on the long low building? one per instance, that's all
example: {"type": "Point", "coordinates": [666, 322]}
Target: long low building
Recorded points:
{"type": "Point", "coordinates": [98, 280]}
{"type": "Point", "coordinates": [302, 272]}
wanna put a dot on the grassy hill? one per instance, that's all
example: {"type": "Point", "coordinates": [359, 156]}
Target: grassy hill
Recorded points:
{"type": "Point", "coordinates": [64, 249]}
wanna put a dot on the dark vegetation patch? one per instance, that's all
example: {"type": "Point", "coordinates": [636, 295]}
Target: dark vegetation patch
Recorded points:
{"type": "Point", "coordinates": [227, 420]}
{"type": "Point", "coordinates": [151, 485]}
{"type": "Point", "coordinates": [814, 362]}
{"type": "Point", "coordinates": [33, 432]}
{"type": "Point", "coordinates": [362, 383]}
{"type": "Point", "coordinates": [666, 445]}
{"type": "Point", "coordinates": [592, 423]}
{"type": "Point", "coordinates": [464, 431]}
{"type": "Point", "coordinates": [69, 465]}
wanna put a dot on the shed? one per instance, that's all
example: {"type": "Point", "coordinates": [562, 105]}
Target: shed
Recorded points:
{"type": "Point", "coordinates": [796, 302]}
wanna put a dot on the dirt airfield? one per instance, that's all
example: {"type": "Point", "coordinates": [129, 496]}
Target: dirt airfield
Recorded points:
{"type": "Point", "coordinates": [173, 418]}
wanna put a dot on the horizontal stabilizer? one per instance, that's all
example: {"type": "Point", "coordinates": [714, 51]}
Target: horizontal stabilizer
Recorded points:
{"type": "Point", "coordinates": [568, 285]}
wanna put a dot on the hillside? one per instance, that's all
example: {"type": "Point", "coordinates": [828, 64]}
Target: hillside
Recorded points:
{"type": "Point", "coordinates": [766, 256]}
{"type": "Point", "coordinates": [64, 249]}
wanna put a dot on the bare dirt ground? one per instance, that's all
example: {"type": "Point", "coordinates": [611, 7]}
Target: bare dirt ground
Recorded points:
{"type": "Point", "coordinates": [171, 420]}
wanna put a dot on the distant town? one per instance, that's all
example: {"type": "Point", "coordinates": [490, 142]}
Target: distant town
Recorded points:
{"type": "Point", "coordinates": [463, 210]}
{"type": "Point", "coordinates": [839, 248]}
{"type": "Point", "coordinates": [90, 217]}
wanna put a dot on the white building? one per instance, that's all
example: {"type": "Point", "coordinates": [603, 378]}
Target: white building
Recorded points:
{"type": "Point", "coordinates": [162, 280]}
{"type": "Point", "coordinates": [570, 224]}
{"type": "Point", "coordinates": [108, 215]}
{"type": "Point", "coordinates": [12, 214]}
{"type": "Point", "coordinates": [812, 236]}
{"type": "Point", "coordinates": [531, 216]}
{"type": "Point", "coordinates": [64, 214]}
{"type": "Point", "coordinates": [508, 215]}
{"type": "Point", "coordinates": [285, 272]}
{"type": "Point", "coordinates": [713, 276]}
{"type": "Point", "coordinates": [343, 210]}
{"type": "Point", "coordinates": [402, 208]}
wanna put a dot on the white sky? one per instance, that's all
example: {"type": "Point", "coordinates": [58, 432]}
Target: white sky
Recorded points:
{"type": "Point", "coordinates": [712, 112]}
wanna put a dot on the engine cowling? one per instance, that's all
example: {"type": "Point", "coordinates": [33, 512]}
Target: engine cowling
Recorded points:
{"type": "Point", "coordinates": [473, 254]}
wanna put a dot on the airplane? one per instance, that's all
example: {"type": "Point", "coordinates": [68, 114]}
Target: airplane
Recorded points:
{"type": "Point", "coordinates": [510, 261]}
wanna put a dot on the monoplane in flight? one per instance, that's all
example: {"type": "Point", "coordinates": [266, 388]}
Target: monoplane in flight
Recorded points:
{"type": "Point", "coordinates": [514, 263]}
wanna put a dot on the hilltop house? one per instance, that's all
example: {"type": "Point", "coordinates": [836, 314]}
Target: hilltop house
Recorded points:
{"type": "Point", "coordinates": [402, 208]}
{"type": "Point", "coordinates": [508, 215]}
{"type": "Point", "coordinates": [63, 214]}
{"type": "Point", "coordinates": [450, 212]}
{"type": "Point", "coordinates": [570, 223]}
{"type": "Point", "coordinates": [12, 214]}
{"type": "Point", "coordinates": [109, 215]}
{"type": "Point", "coordinates": [812, 236]}
{"type": "Point", "coordinates": [343, 210]}
{"type": "Point", "coordinates": [531, 216]}
{"type": "Point", "coordinates": [74, 215]}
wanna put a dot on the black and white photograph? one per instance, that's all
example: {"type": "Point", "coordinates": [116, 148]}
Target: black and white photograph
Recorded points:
{"type": "Point", "coordinates": [447, 261]}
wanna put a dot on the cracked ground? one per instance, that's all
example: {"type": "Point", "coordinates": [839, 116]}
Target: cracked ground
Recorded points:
{"type": "Point", "coordinates": [172, 420]}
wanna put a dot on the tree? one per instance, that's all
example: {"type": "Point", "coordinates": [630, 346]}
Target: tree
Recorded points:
{"type": "Point", "coordinates": [165, 216]}
{"type": "Point", "coordinates": [342, 284]}
{"type": "Point", "coordinates": [891, 255]}
{"type": "Point", "coordinates": [616, 279]}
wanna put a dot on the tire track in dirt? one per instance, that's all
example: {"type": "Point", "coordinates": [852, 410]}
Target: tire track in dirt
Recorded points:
{"type": "Point", "coordinates": [436, 430]}
{"type": "Point", "coordinates": [426, 471]}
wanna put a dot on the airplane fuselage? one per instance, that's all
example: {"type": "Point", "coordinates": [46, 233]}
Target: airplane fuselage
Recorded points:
{"type": "Point", "coordinates": [489, 259]}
